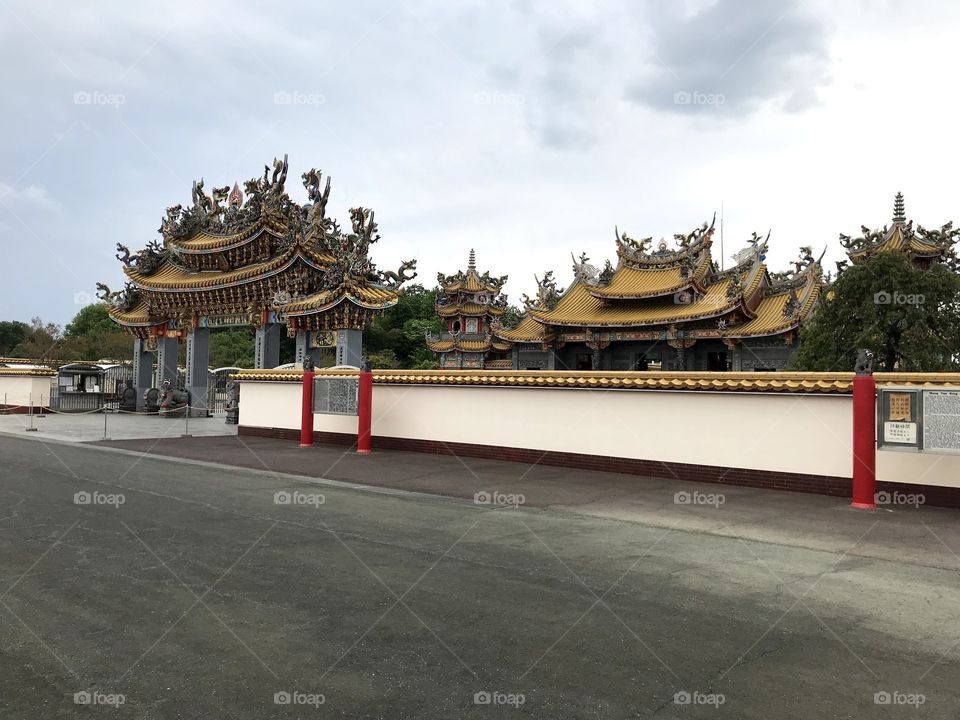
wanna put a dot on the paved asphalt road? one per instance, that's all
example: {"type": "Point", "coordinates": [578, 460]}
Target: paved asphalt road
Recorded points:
{"type": "Point", "coordinates": [201, 597]}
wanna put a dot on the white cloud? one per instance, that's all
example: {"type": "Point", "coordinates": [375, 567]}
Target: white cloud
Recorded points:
{"type": "Point", "coordinates": [30, 195]}
{"type": "Point", "coordinates": [828, 111]}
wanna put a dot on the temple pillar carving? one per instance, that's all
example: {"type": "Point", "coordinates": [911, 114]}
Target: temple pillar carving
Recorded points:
{"type": "Point", "coordinates": [267, 346]}
{"type": "Point", "coordinates": [167, 350]}
{"type": "Point", "coordinates": [303, 346]}
{"type": "Point", "coordinates": [350, 347]}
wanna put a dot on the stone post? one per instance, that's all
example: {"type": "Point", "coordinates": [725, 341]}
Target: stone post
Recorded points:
{"type": "Point", "coordinates": [267, 346]}
{"type": "Point", "coordinates": [350, 347]}
{"type": "Point", "coordinates": [303, 346]}
{"type": "Point", "coordinates": [142, 370]}
{"type": "Point", "coordinates": [198, 374]}
{"type": "Point", "coordinates": [167, 349]}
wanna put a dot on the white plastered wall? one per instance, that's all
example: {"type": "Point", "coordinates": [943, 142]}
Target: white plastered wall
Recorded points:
{"type": "Point", "coordinates": [763, 431]}
{"type": "Point", "coordinates": [18, 390]}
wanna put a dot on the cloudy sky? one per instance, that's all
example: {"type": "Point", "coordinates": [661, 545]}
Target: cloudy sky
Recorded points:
{"type": "Point", "coordinates": [524, 129]}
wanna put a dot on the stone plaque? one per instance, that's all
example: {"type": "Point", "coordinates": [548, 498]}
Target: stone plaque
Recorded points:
{"type": "Point", "coordinates": [335, 395]}
{"type": "Point", "coordinates": [941, 420]}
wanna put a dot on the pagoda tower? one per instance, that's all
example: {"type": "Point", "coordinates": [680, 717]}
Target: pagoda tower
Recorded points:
{"type": "Point", "coordinates": [469, 303]}
{"type": "Point", "coordinates": [924, 247]}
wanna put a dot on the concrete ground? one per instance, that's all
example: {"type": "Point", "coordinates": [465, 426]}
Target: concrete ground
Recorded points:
{"type": "Point", "coordinates": [76, 427]}
{"type": "Point", "coordinates": [915, 535]}
{"type": "Point", "coordinates": [191, 590]}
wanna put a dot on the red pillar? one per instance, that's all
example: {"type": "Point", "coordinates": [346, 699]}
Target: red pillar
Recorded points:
{"type": "Point", "coordinates": [864, 442]}
{"type": "Point", "coordinates": [306, 410]}
{"type": "Point", "coordinates": [364, 411]}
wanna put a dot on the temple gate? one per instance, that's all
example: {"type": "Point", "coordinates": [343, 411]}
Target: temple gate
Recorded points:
{"type": "Point", "coordinates": [250, 258]}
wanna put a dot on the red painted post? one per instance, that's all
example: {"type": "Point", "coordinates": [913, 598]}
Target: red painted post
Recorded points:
{"type": "Point", "coordinates": [864, 442]}
{"type": "Point", "coordinates": [364, 411]}
{"type": "Point", "coordinates": [306, 410]}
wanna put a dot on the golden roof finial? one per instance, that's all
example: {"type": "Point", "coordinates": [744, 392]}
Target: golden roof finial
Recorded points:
{"type": "Point", "coordinates": [236, 196]}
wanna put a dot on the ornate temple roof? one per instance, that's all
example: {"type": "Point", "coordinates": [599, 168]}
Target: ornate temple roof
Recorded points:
{"type": "Point", "coordinates": [470, 281]}
{"type": "Point", "coordinates": [484, 344]}
{"type": "Point", "coordinates": [780, 312]}
{"type": "Point", "coordinates": [901, 237]}
{"type": "Point", "coordinates": [170, 277]}
{"type": "Point", "coordinates": [579, 308]}
{"type": "Point", "coordinates": [470, 308]}
{"type": "Point", "coordinates": [669, 289]}
{"type": "Point", "coordinates": [631, 283]}
{"type": "Point", "coordinates": [527, 330]}
{"type": "Point", "coordinates": [258, 253]}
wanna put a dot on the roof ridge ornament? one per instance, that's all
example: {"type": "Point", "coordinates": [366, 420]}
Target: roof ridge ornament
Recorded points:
{"type": "Point", "coordinates": [547, 294]}
{"type": "Point", "coordinates": [583, 270]}
{"type": "Point", "coordinates": [472, 260]}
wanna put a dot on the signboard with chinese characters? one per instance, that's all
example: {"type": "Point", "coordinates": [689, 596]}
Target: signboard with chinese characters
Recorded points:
{"type": "Point", "coordinates": [898, 418]}
{"type": "Point", "coordinates": [923, 420]}
{"type": "Point", "coordinates": [336, 395]}
{"type": "Point", "coordinates": [941, 420]}
{"type": "Point", "coordinates": [218, 321]}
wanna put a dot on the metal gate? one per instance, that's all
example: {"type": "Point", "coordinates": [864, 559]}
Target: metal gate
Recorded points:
{"type": "Point", "coordinates": [116, 379]}
{"type": "Point", "coordinates": [219, 393]}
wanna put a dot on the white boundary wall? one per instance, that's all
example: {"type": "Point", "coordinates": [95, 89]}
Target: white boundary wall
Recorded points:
{"type": "Point", "coordinates": [762, 431]}
{"type": "Point", "coordinates": [19, 388]}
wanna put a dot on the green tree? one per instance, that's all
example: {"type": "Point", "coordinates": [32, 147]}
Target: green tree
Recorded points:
{"type": "Point", "coordinates": [43, 341]}
{"type": "Point", "coordinates": [92, 320]}
{"type": "Point", "coordinates": [383, 360]}
{"type": "Point", "coordinates": [92, 335]}
{"type": "Point", "coordinates": [234, 347]}
{"type": "Point", "coordinates": [401, 329]}
{"type": "Point", "coordinates": [908, 317]}
{"type": "Point", "coordinates": [12, 333]}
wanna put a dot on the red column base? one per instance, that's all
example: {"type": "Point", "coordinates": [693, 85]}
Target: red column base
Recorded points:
{"type": "Point", "coordinates": [863, 506]}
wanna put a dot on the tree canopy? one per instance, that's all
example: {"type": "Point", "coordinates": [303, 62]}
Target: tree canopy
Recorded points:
{"type": "Point", "coordinates": [12, 333]}
{"type": "Point", "coordinates": [908, 317]}
{"type": "Point", "coordinates": [396, 339]}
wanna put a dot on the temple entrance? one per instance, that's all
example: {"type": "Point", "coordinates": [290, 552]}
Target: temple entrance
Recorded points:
{"type": "Point", "coordinates": [252, 258]}
{"type": "Point", "coordinates": [717, 362]}
{"type": "Point", "coordinates": [584, 361]}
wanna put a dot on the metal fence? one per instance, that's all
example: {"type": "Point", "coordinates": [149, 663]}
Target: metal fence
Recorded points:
{"type": "Point", "coordinates": [219, 393]}
{"type": "Point", "coordinates": [120, 377]}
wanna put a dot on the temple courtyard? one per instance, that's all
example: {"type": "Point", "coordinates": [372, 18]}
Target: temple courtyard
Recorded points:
{"type": "Point", "coordinates": [240, 577]}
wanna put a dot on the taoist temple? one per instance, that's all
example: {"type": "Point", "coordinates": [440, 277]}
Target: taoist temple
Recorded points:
{"type": "Point", "coordinates": [664, 308]}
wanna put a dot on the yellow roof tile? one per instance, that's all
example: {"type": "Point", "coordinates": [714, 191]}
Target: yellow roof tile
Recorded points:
{"type": "Point", "coordinates": [470, 309]}
{"type": "Point", "coordinates": [636, 283]}
{"type": "Point", "coordinates": [897, 240]}
{"type": "Point", "coordinates": [205, 242]}
{"type": "Point", "coordinates": [138, 316]}
{"type": "Point", "coordinates": [366, 296]}
{"type": "Point", "coordinates": [528, 330]}
{"type": "Point", "coordinates": [579, 308]}
{"type": "Point", "coordinates": [770, 318]}
{"type": "Point", "coordinates": [170, 277]}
